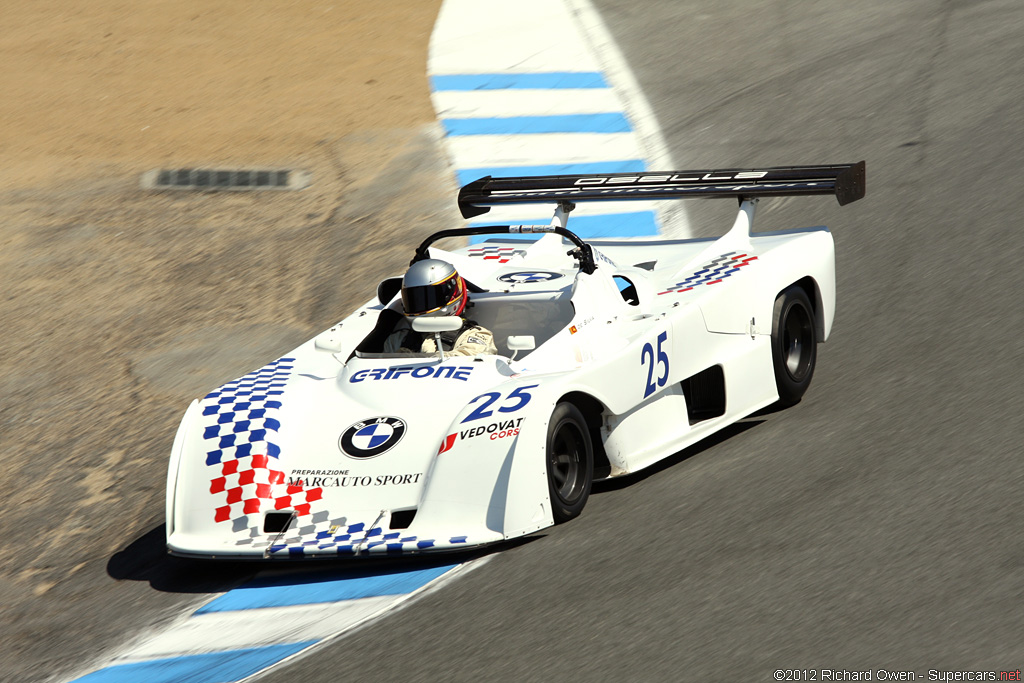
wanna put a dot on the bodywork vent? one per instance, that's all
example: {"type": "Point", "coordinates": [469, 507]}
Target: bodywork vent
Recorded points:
{"type": "Point", "coordinates": [276, 522]}
{"type": "Point", "coordinates": [401, 519]}
{"type": "Point", "coordinates": [705, 394]}
{"type": "Point", "coordinates": [225, 179]}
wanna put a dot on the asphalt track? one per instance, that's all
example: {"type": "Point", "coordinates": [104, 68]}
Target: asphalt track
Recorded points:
{"type": "Point", "coordinates": [874, 525]}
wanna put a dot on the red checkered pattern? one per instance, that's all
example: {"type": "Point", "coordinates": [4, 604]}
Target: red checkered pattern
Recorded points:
{"type": "Point", "coordinates": [252, 484]}
{"type": "Point", "coordinates": [499, 254]}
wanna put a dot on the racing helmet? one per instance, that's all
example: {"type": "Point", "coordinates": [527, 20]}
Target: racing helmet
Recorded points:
{"type": "Point", "coordinates": [434, 288]}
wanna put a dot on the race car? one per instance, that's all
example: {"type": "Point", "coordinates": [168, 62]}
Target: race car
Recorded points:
{"type": "Point", "coordinates": [611, 355]}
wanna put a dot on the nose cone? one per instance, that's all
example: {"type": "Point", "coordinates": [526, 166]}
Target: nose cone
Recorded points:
{"type": "Point", "coordinates": [341, 454]}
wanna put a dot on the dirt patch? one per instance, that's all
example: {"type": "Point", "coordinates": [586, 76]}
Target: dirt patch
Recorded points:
{"type": "Point", "coordinates": [121, 305]}
{"type": "Point", "coordinates": [194, 82]}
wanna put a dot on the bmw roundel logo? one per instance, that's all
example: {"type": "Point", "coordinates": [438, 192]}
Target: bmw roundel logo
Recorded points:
{"type": "Point", "coordinates": [530, 276]}
{"type": "Point", "coordinates": [369, 438]}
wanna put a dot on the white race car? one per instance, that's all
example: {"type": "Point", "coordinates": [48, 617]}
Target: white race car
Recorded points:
{"type": "Point", "coordinates": [610, 356]}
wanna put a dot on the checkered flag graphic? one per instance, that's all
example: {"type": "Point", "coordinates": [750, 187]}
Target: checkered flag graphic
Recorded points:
{"type": "Point", "coordinates": [254, 484]}
{"type": "Point", "coordinates": [241, 416]}
{"type": "Point", "coordinates": [241, 420]}
{"type": "Point", "coordinates": [712, 273]}
{"type": "Point", "coordinates": [493, 253]}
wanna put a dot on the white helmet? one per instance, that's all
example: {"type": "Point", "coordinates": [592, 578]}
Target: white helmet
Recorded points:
{"type": "Point", "coordinates": [433, 287]}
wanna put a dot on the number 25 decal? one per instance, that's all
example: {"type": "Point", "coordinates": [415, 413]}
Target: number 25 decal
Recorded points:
{"type": "Point", "coordinates": [516, 399]}
{"type": "Point", "coordinates": [647, 352]}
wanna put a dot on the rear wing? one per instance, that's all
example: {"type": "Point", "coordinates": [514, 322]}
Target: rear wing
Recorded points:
{"type": "Point", "coordinates": [845, 181]}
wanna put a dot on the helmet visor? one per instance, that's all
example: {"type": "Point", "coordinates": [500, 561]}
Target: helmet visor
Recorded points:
{"type": "Point", "coordinates": [429, 298]}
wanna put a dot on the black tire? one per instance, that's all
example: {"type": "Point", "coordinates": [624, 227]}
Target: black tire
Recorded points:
{"type": "Point", "coordinates": [570, 462]}
{"type": "Point", "coordinates": [794, 344]}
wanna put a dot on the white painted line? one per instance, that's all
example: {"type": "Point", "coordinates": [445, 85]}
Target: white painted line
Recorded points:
{"type": "Point", "coordinates": [675, 221]}
{"type": "Point", "coordinates": [400, 602]}
{"type": "Point", "coordinates": [526, 150]}
{"type": "Point", "coordinates": [218, 631]}
{"type": "Point", "coordinates": [481, 36]}
{"type": "Point", "coordinates": [486, 103]}
{"type": "Point", "coordinates": [541, 42]}
{"type": "Point", "coordinates": [240, 630]}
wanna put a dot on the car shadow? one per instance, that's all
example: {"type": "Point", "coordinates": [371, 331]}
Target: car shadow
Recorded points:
{"type": "Point", "coordinates": [776, 407]}
{"type": "Point", "coordinates": [704, 444]}
{"type": "Point", "coordinates": [146, 559]}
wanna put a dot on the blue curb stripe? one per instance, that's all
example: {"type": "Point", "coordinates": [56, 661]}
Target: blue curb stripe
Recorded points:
{"type": "Point", "coordinates": [213, 667]}
{"type": "Point", "coordinates": [635, 224]}
{"type": "Point", "coordinates": [613, 122]}
{"type": "Point", "coordinates": [468, 175]}
{"type": "Point", "coordinates": [506, 81]}
{"type": "Point", "coordinates": [283, 591]}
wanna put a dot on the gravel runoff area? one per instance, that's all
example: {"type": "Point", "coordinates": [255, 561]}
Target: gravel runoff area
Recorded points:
{"type": "Point", "coordinates": [119, 305]}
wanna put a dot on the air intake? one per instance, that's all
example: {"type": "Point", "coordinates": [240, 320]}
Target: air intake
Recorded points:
{"type": "Point", "coordinates": [225, 179]}
{"type": "Point", "coordinates": [705, 394]}
{"type": "Point", "coordinates": [276, 522]}
{"type": "Point", "coordinates": [401, 519]}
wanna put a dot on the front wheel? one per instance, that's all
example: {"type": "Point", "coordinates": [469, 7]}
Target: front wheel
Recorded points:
{"type": "Point", "coordinates": [794, 344]}
{"type": "Point", "coordinates": [570, 459]}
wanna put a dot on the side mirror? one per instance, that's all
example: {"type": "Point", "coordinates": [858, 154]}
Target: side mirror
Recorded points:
{"type": "Point", "coordinates": [521, 342]}
{"type": "Point", "coordinates": [448, 323]}
{"type": "Point", "coordinates": [436, 326]}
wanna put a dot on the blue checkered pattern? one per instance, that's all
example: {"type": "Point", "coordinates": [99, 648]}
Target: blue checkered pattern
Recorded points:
{"type": "Point", "coordinates": [240, 417]}
{"type": "Point", "coordinates": [355, 539]}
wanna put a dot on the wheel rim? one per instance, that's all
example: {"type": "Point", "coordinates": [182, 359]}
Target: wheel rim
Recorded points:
{"type": "Point", "coordinates": [798, 342]}
{"type": "Point", "coordinates": [566, 462]}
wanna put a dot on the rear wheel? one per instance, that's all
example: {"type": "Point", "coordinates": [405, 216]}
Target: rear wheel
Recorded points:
{"type": "Point", "coordinates": [794, 344]}
{"type": "Point", "coordinates": [570, 461]}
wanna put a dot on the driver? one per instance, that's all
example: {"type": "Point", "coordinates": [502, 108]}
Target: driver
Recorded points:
{"type": "Point", "coordinates": [432, 287]}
